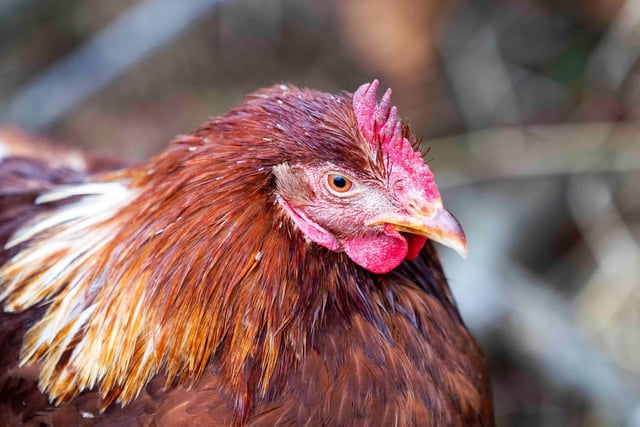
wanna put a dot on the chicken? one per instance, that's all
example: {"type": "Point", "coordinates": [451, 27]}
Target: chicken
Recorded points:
{"type": "Point", "coordinates": [274, 267]}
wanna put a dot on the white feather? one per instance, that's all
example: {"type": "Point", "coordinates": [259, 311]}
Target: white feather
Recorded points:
{"type": "Point", "coordinates": [101, 202]}
{"type": "Point", "coordinates": [69, 236]}
{"type": "Point", "coordinates": [115, 190]}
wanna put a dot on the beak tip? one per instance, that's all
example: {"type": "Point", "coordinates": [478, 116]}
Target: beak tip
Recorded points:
{"type": "Point", "coordinates": [464, 252]}
{"type": "Point", "coordinates": [460, 247]}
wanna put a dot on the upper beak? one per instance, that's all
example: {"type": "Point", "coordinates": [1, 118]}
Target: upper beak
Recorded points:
{"type": "Point", "coordinates": [430, 220]}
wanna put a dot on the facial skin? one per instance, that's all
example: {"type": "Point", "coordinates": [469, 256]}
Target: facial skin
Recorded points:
{"type": "Point", "coordinates": [344, 210]}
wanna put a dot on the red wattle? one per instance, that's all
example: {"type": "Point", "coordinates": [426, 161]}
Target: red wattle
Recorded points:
{"type": "Point", "coordinates": [378, 253]}
{"type": "Point", "coordinates": [416, 243]}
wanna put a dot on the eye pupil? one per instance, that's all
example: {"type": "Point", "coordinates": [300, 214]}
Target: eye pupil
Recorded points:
{"type": "Point", "coordinates": [339, 181]}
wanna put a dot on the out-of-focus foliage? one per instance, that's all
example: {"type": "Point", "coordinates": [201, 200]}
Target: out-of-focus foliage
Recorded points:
{"type": "Point", "coordinates": [530, 106]}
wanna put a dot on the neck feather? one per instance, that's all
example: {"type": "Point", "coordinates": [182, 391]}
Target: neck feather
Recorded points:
{"type": "Point", "coordinates": [171, 269]}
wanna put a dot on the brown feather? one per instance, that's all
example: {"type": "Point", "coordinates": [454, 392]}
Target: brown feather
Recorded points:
{"type": "Point", "coordinates": [206, 306]}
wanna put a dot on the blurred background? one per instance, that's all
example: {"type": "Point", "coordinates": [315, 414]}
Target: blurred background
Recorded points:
{"type": "Point", "coordinates": [531, 108]}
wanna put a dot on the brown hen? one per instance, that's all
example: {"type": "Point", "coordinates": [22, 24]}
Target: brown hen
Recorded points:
{"type": "Point", "coordinates": [270, 268]}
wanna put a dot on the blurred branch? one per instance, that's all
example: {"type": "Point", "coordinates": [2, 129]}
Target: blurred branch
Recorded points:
{"type": "Point", "coordinates": [619, 49]}
{"type": "Point", "coordinates": [543, 325]}
{"type": "Point", "coordinates": [492, 288]}
{"type": "Point", "coordinates": [8, 7]}
{"type": "Point", "coordinates": [607, 303]}
{"type": "Point", "coordinates": [548, 150]}
{"type": "Point", "coordinates": [605, 233]}
{"type": "Point", "coordinates": [478, 75]}
{"type": "Point", "coordinates": [140, 31]}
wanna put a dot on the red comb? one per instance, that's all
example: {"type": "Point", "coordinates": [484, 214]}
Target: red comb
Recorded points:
{"type": "Point", "coordinates": [379, 124]}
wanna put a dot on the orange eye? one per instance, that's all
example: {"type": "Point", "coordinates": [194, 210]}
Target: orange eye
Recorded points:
{"type": "Point", "coordinates": [339, 183]}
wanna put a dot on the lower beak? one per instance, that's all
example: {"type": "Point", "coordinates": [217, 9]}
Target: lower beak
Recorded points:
{"type": "Point", "coordinates": [437, 224]}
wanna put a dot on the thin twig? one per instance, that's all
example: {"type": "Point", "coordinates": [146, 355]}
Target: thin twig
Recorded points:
{"type": "Point", "coordinates": [132, 37]}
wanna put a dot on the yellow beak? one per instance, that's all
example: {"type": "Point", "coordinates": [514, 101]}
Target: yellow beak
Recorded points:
{"type": "Point", "coordinates": [431, 221]}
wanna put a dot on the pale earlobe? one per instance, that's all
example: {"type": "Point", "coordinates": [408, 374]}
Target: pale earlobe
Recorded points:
{"type": "Point", "coordinates": [309, 228]}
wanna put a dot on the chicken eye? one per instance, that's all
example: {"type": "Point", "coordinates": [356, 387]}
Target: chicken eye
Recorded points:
{"type": "Point", "coordinates": [338, 183]}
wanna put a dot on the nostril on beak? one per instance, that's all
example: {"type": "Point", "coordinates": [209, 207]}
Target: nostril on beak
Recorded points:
{"type": "Point", "coordinates": [420, 206]}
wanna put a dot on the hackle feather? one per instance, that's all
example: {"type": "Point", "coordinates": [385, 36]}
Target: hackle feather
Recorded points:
{"type": "Point", "coordinates": [186, 269]}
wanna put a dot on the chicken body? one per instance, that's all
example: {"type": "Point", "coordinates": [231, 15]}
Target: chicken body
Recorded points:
{"type": "Point", "coordinates": [271, 268]}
